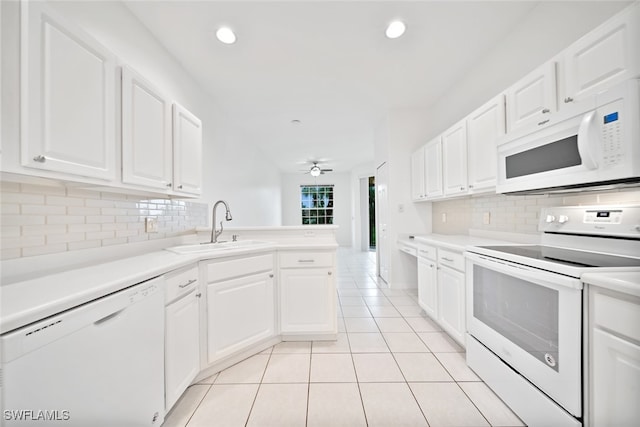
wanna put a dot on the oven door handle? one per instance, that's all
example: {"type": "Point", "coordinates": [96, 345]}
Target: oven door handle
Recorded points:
{"type": "Point", "coordinates": [541, 277]}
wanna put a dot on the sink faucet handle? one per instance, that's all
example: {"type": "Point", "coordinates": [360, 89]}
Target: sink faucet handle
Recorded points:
{"type": "Point", "coordinates": [234, 238]}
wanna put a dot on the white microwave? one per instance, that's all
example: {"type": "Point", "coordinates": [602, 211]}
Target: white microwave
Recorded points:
{"type": "Point", "coordinates": [597, 147]}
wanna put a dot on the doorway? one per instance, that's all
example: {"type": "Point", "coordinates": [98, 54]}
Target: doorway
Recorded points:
{"type": "Point", "coordinates": [372, 213]}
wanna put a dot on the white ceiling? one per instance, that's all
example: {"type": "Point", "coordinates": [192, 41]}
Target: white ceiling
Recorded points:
{"type": "Point", "coordinates": [325, 63]}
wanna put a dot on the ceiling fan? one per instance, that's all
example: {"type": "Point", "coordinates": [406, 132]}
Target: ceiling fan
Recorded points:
{"type": "Point", "coordinates": [316, 170]}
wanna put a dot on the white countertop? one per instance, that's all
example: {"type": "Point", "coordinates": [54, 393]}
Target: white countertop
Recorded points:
{"type": "Point", "coordinates": [627, 282]}
{"type": "Point", "coordinates": [456, 242]}
{"type": "Point", "coordinates": [28, 301]}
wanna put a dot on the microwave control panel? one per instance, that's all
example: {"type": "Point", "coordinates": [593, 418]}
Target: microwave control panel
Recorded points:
{"type": "Point", "coordinates": [611, 133]}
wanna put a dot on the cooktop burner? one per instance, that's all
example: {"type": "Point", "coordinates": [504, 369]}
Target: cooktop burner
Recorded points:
{"type": "Point", "coordinates": [567, 256]}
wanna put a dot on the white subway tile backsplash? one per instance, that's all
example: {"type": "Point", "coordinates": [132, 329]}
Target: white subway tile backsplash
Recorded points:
{"type": "Point", "coordinates": [515, 213]}
{"type": "Point", "coordinates": [38, 220]}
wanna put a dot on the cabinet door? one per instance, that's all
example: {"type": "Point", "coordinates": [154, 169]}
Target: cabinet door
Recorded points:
{"type": "Point", "coordinates": [187, 151]}
{"type": "Point", "coordinates": [451, 303]}
{"type": "Point", "coordinates": [532, 100]}
{"type": "Point", "coordinates": [418, 174]}
{"type": "Point", "coordinates": [605, 56]}
{"type": "Point", "coordinates": [427, 287]}
{"type": "Point", "coordinates": [182, 346]}
{"type": "Point", "coordinates": [484, 127]}
{"type": "Point", "coordinates": [67, 97]}
{"type": "Point", "coordinates": [240, 313]}
{"type": "Point", "coordinates": [454, 159]}
{"type": "Point", "coordinates": [433, 168]}
{"type": "Point", "coordinates": [307, 301]}
{"type": "Point", "coordinates": [146, 133]}
{"type": "Point", "coordinates": [615, 379]}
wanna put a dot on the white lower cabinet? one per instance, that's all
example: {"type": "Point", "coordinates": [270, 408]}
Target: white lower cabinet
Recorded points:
{"type": "Point", "coordinates": [240, 304]}
{"type": "Point", "coordinates": [182, 332]}
{"type": "Point", "coordinates": [451, 299]}
{"type": "Point", "coordinates": [428, 285]}
{"type": "Point", "coordinates": [614, 365]}
{"type": "Point", "coordinates": [441, 289]}
{"type": "Point", "coordinates": [307, 294]}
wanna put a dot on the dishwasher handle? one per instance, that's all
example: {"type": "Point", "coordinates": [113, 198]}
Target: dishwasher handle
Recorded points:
{"type": "Point", "coordinates": [109, 317]}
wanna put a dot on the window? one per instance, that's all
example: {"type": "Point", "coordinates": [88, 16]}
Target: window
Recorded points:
{"type": "Point", "coordinates": [317, 204]}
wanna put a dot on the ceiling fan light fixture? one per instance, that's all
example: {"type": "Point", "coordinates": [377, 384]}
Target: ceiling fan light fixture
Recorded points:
{"type": "Point", "coordinates": [226, 35]}
{"type": "Point", "coordinates": [395, 29]}
{"type": "Point", "coordinates": [315, 171]}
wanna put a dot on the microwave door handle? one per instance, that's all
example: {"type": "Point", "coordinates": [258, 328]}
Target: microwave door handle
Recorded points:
{"type": "Point", "coordinates": [587, 138]}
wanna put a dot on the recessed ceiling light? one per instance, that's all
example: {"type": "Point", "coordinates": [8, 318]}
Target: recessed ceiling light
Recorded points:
{"type": "Point", "coordinates": [226, 35]}
{"type": "Point", "coordinates": [395, 29]}
{"type": "Point", "coordinates": [296, 122]}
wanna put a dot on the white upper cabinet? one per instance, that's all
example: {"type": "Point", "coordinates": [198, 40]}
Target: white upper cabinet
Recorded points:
{"type": "Point", "coordinates": [67, 97]}
{"type": "Point", "coordinates": [187, 151]}
{"type": "Point", "coordinates": [484, 127]}
{"type": "Point", "coordinates": [532, 100]}
{"type": "Point", "coordinates": [454, 159]}
{"type": "Point", "coordinates": [146, 133]}
{"type": "Point", "coordinates": [418, 175]}
{"type": "Point", "coordinates": [605, 56]}
{"type": "Point", "coordinates": [433, 168]}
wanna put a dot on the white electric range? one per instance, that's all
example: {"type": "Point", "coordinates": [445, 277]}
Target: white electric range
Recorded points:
{"type": "Point", "coordinates": [525, 308]}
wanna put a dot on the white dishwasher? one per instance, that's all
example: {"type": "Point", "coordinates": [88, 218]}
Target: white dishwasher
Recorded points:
{"type": "Point", "coordinates": [98, 364]}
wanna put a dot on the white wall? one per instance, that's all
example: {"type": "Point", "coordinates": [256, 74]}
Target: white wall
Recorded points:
{"type": "Point", "coordinates": [291, 215]}
{"type": "Point", "coordinates": [404, 130]}
{"type": "Point", "coordinates": [528, 46]}
{"type": "Point", "coordinates": [234, 170]}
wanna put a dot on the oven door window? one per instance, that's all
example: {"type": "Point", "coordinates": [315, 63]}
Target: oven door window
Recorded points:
{"type": "Point", "coordinates": [522, 312]}
{"type": "Point", "coordinates": [549, 157]}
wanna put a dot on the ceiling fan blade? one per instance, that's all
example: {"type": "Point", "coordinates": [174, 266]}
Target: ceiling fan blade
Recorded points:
{"type": "Point", "coordinates": [326, 170]}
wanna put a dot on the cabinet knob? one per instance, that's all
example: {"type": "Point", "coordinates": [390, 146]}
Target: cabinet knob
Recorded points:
{"type": "Point", "coordinates": [329, 273]}
{"type": "Point", "coordinates": [470, 185]}
{"type": "Point", "coordinates": [198, 295]}
{"type": "Point", "coordinates": [545, 110]}
{"type": "Point", "coordinates": [568, 99]}
{"type": "Point", "coordinates": [169, 184]}
{"type": "Point", "coordinates": [543, 122]}
{"type": "Point", "coordinates": [40, 159]}
{"type": "Point", "coordinates": [461, 188]}
{"type": "Point", "coordinates": [180, 186]}
{"type": "Point", "coordinates": [271, 276]}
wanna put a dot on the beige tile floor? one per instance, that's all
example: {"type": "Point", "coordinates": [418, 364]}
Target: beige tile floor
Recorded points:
{"type": "Point", "coordinates": [391, 366]}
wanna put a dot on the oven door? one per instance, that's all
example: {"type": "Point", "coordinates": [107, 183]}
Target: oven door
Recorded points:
{"type": "Point", "coordinates": [532, 320]}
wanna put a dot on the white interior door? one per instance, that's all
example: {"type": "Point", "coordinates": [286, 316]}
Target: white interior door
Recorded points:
{"type": "Point", "coordinates": [382, 218]}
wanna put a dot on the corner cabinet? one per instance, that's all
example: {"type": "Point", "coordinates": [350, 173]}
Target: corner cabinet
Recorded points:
{"type": "Point", "coordinates": [240, 303]}
{"type": "Point", "coordinates": [182, 332]}
{"type": "Point", "coordinates": [307, 295]}
{"type": "Point", "coordinates": [187, 151]}
{"type": "Point", "coordinates": [146, 133]}
{"type": "Point", "coordinates": [68, 97]}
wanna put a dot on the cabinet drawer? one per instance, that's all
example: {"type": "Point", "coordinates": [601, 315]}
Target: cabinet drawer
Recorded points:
{"type": "Point", "coordinates": [306, 259]}
{"type": "Point", "coordinates": [180, 281]}
{"type": "Point", "coordinates": [426, 251]}
{"type": "Point", "coordinates": [411, 250]}
{"type": "Point", "coordinates": [618, 315]}
{"type": "Point", "coordinates": [227, 269]}
{"type": "Point", "coordinates": [451, 259]}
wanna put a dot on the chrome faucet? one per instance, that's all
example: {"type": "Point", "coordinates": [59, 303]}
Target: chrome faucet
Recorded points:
{"type": "Point", "coordinates": [215, 233]}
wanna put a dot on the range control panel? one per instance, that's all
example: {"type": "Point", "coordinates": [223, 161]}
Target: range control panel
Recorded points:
{"type": "Point", "coordinates": [611, 221]}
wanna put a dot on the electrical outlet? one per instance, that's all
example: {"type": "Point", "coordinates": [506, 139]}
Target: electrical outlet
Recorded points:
{"type": "Point", "coordinates": [309, 233]}
{"type": "Point", "coordinates": [486, 218]}
{"type": "Point", "coordinates": [444, 217]}
{"type": "Point", "coordinates": [150, 225]}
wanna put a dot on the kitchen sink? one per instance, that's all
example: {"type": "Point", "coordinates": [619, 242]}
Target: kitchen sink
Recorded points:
{"type": "Point", "coordinates": [217, 247]}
